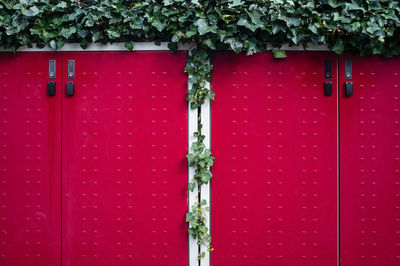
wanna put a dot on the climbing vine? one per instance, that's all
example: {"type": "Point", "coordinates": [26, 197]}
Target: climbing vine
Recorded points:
{"type": "Point", "coordinates": [363, 26]}
{"type": "Point", "coordinates": [199, 72]}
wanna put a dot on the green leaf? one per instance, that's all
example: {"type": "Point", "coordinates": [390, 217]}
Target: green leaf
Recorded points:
{"type": "Point", "coordinates": [355, 26]}
{"type": "Point", "coordinates": [353, 6]}
{"type": "Point", "coordinates": [313, 28]}
{"type": "Point", "coordinates": [191, 186]}
{"type": "Point", "coordinates": [235, 3]}
{"type": "Point", "coordinates": [112, 34]}
{"type": "Point", "coordinates": [53, 44]}
{"type": "Point", "coordinates": [195, 2]}
{"type": "Point", "coordinates": [202, 26]}
{"type": "Point", "coordinates": [334, 3]}
{"type": "Point", "coordinates": [297, 38]}
{"type": "Point", "coordinates": [172, 46]}
{"type": "Point", "coordinates": [244, 22]}
{"type": "Point", "coordinates": [89, 23]}
{"type": "Point", "coordinates": [211, 95]}
{"type": "Point", "coordinates": [62, 4]}
{"type": "Point", "coordinates": [31, 12]}
{"type": "Point", "coordinates": [235, 44]}
{"type": "Point", "coordinates": [190, 33]}
{"type": "Point", "coordinates": [194, 105]}
{"type": "Point", "coordinates": [338, 47]}
{"type": "Point", "coordinates": [67, 32]}
{"type": "Point", "coordinates": [276, 27]}
{"type": "Point", "coordinates": [255, 17]}
{"type": "Point", "coordinates": [189, 216]}
{"type": "Point", "coordinates": [158, 25]}
{"type": "Point", "coordinates": [168, 2]}
{"type": "Point", "coordinates": [293, 21]}
{"type": "Point", "coordinates": [278, 53]}
{"type": "Point", "coordinates": [209, 43]}
{"type": "Point", "coordinates": [129, 45]}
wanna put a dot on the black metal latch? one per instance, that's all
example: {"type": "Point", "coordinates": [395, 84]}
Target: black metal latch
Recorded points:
{"type": "Point", "coordinates": [328, 75]}
{"type": "Point", "coordinates": [348, 88]}
{"type": "Point", "coordinates": [328, 88]}
{"type": "Point", "coordinates": [51, 88]}
{"type": "Point", "coordinates": [348, 74]}
{"type": "Point", "coordinates": [70, 88]}
{"type": "Point", "coordinates": [51, 85]}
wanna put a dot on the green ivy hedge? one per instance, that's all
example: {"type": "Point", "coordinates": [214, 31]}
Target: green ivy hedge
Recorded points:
{"type": "Point", "coordinates": [365, 26]}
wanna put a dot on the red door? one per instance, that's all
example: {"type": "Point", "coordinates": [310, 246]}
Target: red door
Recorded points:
{"type": "Point", "coordinates": [30, 160]}
{"type": "Point", "coordinates": [124, 194]}
{"type": "Point", "coordinates": [370, 162]}
{"type": "Point", "coordinates": [274, 136]}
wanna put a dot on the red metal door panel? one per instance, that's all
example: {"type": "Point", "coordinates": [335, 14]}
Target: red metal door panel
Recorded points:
{"type": "Point", "coordinates": [124, 179]}
{"type": "Point", "coordinates": [369, 163]}
{"type": "Point", "coordinates": [274, 136]}
{"type": "Point", "coordinates": [30, 161]}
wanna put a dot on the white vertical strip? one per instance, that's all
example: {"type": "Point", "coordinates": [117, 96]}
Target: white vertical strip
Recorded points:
{"type": "Point", "coordinates": [205, 189]}
{"type": "Point", "coordinates": [192, 126]}
{"type": "Point", "coordinates": [338, 155]}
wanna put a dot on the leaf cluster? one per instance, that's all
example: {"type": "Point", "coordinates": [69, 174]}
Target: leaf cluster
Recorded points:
{"type": "Point", "coordinates": [198, 224]}
{"type": "Point", "coordinates": [199, 72]}
{"type": "Point", "coordinates": [200, 158]}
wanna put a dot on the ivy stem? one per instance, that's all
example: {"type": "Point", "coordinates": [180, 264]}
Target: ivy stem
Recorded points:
{"type": "Point", "coordinates": [198, 183]}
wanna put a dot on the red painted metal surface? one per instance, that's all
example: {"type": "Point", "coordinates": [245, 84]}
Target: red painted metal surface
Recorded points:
{"type": "Point", "coordinates": [30, 161]}
{"type": "Point", "coordinates": [370, 163]}
{"type": "Point", "coordinates": [124, 194]}
{"type": "Point", "coordinates": [274, 136]}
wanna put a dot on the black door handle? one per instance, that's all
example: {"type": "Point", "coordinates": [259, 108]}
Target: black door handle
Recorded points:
{"type": "Point", "coordinates": [328, 88]}
{"type": "Point", "coordinates": [51, 88]}
{"type": "Point", "coordinates": [348, 88]}
{"type": "Point", "coordinates": [70, 88]}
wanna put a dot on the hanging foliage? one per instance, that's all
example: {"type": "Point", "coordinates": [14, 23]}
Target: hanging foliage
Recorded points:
{"type": "Point", "coordinates": [366, 26]}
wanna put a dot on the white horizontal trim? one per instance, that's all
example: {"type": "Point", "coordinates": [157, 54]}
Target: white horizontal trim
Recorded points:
{"type": "Point", "coordinates": [120, 46]}
{"type": "Point", "coordinates": [147, 46]}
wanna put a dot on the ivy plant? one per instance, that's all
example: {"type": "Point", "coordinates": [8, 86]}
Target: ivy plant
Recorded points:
{"type": "Point", "coordinates": [365, 26]}
{"type": "Point", "coordinates": [198, 225]}
{"type": "Point", "coordinates": [199, 71]}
